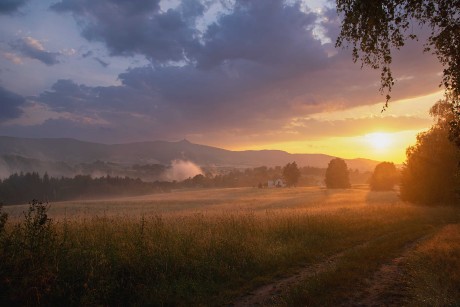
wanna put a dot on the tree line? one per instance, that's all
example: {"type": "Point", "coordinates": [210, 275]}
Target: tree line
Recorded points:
{"type": "Point", "coordinates": [22, 187]}
{"type": "Point", "coordinates": [291, 174]}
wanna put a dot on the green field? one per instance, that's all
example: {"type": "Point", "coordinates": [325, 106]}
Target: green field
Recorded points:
{"type": "Point", "coordinates": [219, 246]}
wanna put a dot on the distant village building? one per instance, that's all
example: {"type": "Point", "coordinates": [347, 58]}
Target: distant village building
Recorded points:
{"type": "Point", "coordinates": [277, 183]}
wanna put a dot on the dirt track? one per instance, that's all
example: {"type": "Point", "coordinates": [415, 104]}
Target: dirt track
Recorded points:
{"type": "Point", "coordinates": [270, 294]}
{"type": "Point", "coordinates": [387, 287]}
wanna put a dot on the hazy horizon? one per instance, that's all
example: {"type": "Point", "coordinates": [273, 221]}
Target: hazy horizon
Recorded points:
{"type": "Point", "coordinates": [186, 140]}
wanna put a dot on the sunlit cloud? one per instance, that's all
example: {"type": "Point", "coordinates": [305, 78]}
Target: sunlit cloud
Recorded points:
{"type": "Point", "coordinates": [14, 58]}
{"type": "Point", "coordinates": [34, 49]}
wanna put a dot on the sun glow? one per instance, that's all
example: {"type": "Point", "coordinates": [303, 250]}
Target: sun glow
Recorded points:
{"type": "Point", "coordinates": [359, 146]}
{"type": "Point", "coordinates": [379, 140]}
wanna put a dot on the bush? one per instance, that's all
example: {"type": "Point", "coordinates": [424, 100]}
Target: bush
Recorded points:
{"type": "Point", "coordinates": [27, 270]}
{"type": "Point", "coordinates": [36, 230]}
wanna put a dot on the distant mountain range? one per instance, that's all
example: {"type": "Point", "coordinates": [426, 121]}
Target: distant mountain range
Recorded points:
{"type": "Point", "coordinates": [23, 154]}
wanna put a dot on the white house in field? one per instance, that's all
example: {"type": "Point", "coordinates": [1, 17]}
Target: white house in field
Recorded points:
{"type": "Point", "coordinates": [277, 183]}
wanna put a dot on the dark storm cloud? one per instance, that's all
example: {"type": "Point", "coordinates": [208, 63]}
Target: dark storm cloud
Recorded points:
{"type": "Point", "coordinates": [258, 44]}
{"type": "Point", "coordinates": [33, 49]}
{"type": "Point", "coordinates": [10, 104]}
{"type": "Point", "coordinates": [11, 6]}
{"type": "Point", "coordinates": [137, 27]}
{"type": "Point", "coordinates": [267, 32]}
{"type": "Point", "coordinates": [253, 50]}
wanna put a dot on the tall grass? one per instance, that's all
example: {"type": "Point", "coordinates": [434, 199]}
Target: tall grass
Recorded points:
{"type": "Point", "coordinates": [198, 258]}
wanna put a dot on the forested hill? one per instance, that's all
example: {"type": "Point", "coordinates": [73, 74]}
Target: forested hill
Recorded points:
{"type": "Point", "coordinates": [159, 152]}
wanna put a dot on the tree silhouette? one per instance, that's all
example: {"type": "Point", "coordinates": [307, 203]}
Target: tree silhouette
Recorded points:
{"type": "Point", "coordinates": [291, 174]}
{"type": "Point", "coordinates": [384, 178]}
{"type": "Point", "coordinates": [337, 176]}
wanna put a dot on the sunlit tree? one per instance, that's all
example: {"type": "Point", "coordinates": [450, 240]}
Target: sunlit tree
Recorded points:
{"type": "Point", "coordinates": [430, 174]}
{"type": "Point", "coordinates": [385, 176]}
{"type": "Point", "coordinates": [337, 175]}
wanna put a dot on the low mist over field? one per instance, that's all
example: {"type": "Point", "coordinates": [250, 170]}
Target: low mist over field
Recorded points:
{"type": "Point", "coordinates": [181, 170]}
{"type": "Point", "coordinates": [314, 200]}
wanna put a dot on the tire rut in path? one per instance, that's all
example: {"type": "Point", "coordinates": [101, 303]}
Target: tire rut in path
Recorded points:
{"type": "Point", "coordinates": [389, 285]}
{"type": "Point", "coordinates": [385, 288]}
{"type": "Point", "coordinates": [270, 294]}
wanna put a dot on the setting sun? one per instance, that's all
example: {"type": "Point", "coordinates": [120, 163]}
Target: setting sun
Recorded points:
{"type": "Point", "coordinates": [379, 140]}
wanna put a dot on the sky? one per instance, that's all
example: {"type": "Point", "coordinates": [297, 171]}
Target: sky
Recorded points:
{"type": "Point", "coordinates": [235, 74]}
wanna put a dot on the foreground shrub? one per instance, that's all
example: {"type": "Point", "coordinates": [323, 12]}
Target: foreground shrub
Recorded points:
{"type": "Point", "coordinates": [27, 253]}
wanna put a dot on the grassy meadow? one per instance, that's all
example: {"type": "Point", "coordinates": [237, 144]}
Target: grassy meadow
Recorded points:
{"type": "Point", "coordinates": [209, 247]}
{"type": "Point", "coordinates": [186, 201]}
